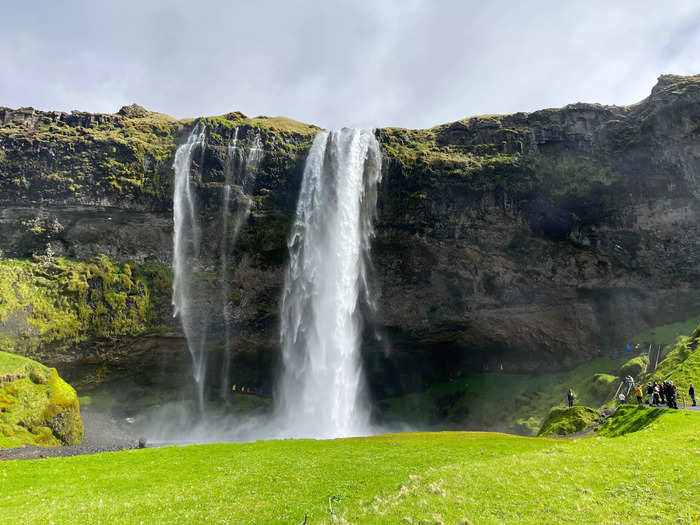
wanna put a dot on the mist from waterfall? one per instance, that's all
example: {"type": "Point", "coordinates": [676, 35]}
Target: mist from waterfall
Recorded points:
{"type": "Point", "coordinates": [321, 392]}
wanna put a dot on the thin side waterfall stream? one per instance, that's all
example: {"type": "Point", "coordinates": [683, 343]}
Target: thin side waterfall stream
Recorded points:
{"type": "Point", "coordinates": [190, 301]}
{"type": "Point", "coordinates": [186, 241]}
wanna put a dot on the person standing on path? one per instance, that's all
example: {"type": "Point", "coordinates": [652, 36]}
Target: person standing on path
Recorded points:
{"type": "Point", "coordinates": [570, 397]}
{"type": "Point", "coordinates": [639, 394]}
{"type": "Point", "coordinates": [691, 393]}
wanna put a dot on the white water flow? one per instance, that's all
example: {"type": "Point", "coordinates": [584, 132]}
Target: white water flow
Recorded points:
{"type": "Point", "coordinates": [241, 170]}
{"type": "Point", "coordinates": [321, 392]}
{"type": "Point", "coordinates": [225, 288]}
{"type": "Point", "coordinates": [191, 304]}
{"type": "Point", "coordinates": [186, 238]}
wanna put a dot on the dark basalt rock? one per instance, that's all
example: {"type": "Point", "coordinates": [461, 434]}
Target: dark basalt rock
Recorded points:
{"type": "Point", "coordinates": [529, 240]}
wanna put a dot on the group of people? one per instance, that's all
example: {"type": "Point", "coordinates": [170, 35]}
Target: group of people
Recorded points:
{"type": "Point", "coordinates": [247, 390]}
{"type": "Point", "coordinates": [663, 393]}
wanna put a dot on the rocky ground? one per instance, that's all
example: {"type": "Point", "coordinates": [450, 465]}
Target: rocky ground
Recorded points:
{"type": "Point", "coordinates": [103, 433]}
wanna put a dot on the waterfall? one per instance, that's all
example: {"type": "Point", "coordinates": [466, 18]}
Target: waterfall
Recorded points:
{"type": "Point", "coordinates": [225, 288]}
{"type": "Point", "coordinates": [191, 305]}
{"type": "Point", "coordinates": [241, 170]}
{"type": "Point", "coordinates": [186, 239]}
{"type": "Point", "coordinates": [321, 389]}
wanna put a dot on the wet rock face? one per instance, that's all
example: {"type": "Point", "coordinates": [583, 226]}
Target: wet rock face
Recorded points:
{"type": "Point", "coordinates": [526, 241]}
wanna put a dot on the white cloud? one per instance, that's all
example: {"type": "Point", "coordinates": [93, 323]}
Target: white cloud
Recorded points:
{"type": "Point", "coordinates": [335, 62]}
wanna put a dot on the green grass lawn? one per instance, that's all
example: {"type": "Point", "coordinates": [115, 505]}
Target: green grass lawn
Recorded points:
{"type": "Point", "coordinates": [448, 477]}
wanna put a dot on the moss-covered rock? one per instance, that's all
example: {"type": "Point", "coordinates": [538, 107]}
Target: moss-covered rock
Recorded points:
{"type": "Point", "coordinates": [37, 407]}
{"type": "Point", "coordinates": [635, 367]}
{"type": "Point", "coordinates": [54, 304]}
{"type": "Point", "coordinates": [566, 421]}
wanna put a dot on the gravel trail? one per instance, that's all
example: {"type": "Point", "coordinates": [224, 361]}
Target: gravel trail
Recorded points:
{"type": "Point", "coordinates": [102, 434]}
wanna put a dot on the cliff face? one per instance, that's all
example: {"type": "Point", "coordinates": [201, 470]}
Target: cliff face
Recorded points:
{"type": "Point", "coordinates": [525, 241]}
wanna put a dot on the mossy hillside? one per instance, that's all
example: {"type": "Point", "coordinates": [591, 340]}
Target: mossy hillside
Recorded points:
{"type": "Point", "coordinates": [47, 306]}
{"type": "Point", "coordinates": [570, 420]}
{"type": "Point", "coordinates": [446, 477]}
{"type": "Point", "coordinates": [668, 333]}
{"type": "Point", "coordinates": [627, 419]}
{"type": "Point", "coordinates": [635, 367]}
{"type": "Point", "coordinates": [505, 402]}
{"type": "Point", "coordinates": [36, 406]}
{"type": "Point", "coordinates": [83, 157]}
{"type": "Point", "coordinates": [681, 365]}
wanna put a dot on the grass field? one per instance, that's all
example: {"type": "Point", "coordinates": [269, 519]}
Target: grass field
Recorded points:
{"type": "Point", "coordinates": [448, 477]}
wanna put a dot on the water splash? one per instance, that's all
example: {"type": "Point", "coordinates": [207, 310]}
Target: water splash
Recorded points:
{"type": "Point", "coordinates": [321, 393]}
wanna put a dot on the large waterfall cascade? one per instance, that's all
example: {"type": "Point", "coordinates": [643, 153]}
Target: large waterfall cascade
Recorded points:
{"type": "Point", "coordinates": [321, 391]}
{"type": "Point", "coordinates": [240, 171]}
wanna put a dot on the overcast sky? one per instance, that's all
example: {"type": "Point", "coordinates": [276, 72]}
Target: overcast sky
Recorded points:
{"type": "Point", "coordinates": [411, 63]}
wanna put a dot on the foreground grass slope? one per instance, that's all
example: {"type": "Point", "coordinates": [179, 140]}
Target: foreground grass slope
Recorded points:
{"type": "Point", "coordinates": [450, 477]}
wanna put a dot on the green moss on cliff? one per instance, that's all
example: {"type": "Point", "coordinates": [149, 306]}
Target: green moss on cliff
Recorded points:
{"type": "Point", "coordinates": [120, 156]}
{"type": "Point", "coordinates": [59, 303]}
{"type": "Point", "coordinates": [36, 406]}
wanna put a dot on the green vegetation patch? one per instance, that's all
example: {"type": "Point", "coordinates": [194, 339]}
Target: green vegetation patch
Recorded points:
{"type": "Point", "coordinates": [627, 419]}
{"type": "Point", "coordinates": [667, 334]}
{"type": "Point", "coordinates": [447, 477]}
{"type": "Point", "coordinates": [635, 367]}
{"type": "Point", "coordinates": [681, 365]}
{"type": "Point", "coordinates": [126, 155]}
{"type": "Point", "coordinates": [56, 303]}
{"type": "Point", "coordinates": [570, 420]}
{"type": "Point", "coordinates": [505, 402]}
{"type": "Point", "coordinates": [36, 406]}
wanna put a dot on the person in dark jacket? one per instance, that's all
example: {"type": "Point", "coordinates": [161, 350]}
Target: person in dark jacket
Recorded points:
{"type": "Point", "coordinates": [691, 393]}
{"type": "Point", "coordinates": [670, 390]}
{"type": "Point", "coordinates": [570, 397]}
{"type": "Point", "coordinates": [650, 393]}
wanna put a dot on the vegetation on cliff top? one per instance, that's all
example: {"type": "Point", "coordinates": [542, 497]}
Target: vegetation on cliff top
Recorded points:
{"type": "Point", "coordinates": [49, 305]}
{"type": "Point", "coordinates": [446, 477]}
{"type": "Point", "coordinates": [36, 406]}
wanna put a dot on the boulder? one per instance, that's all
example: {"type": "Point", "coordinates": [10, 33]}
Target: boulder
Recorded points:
{"type": "Point", "coordinates": [566, 421]}
{"type": "Point", "coordinates": [37, 407]}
